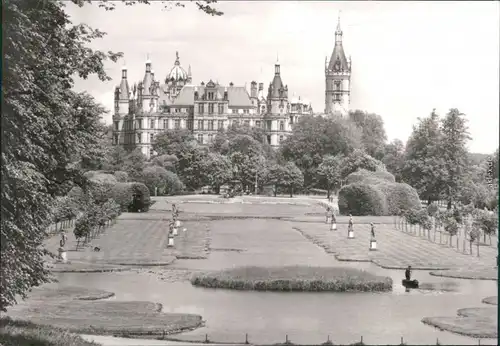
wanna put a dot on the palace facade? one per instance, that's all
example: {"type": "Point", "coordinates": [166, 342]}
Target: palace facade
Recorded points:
{"type": "Point", "coordinates": [150, 107]}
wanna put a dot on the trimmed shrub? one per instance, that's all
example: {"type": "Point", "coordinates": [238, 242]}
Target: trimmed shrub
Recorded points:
{"type": "Point", "coordinates": [100, 177]}
{"type": "Point", "coordinates": [294, 278]}
{"type": "Point", "coordinates": [432, 209]}
{"type": "Point", "coordinates": [123, 194]}
{"type": "Point", "coordinates": [399, 197]}
{"type": "Point", "coordinates": [362, 199]}
{"type": "Point", "coordinates": [121, 176]}
{"type": "Point", "coordinates": [141, 199]}
{"type": "Point", "coordinates": [363, 175]}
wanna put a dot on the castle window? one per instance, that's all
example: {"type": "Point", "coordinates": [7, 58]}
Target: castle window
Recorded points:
{"type": "Point", "coordinates": [337, 85]}
{"type": "Point", "coordinates": [151, 138]}
{"type": "Point", "coordinates": [210, 108]}
{"type": "Point", "coordinates": [117, 125]}
{"type": "Point", "coordinates": [263, 109]}
{"type": "Point", "coordinates": [210, 95]}
{"type": "Point", "coordinates": [151, 152]}
{"type": "Point", "coordinates": [281, 139]}
{"type": "Point", "coordinates": [200, 138]}
{"type": "Point", "coordinates": [152, 123]}
{"type": "Point", "coordinates": [115, 137]}
{"type": "Point", "coordinates": [221, 108]}
{"type": "Point", "coordinates": [282, 125]}
{"type": "Point", "coordinates": [257, 123]}
{"type": "Point", "coordinates": [190, 124]}
{"type": "Point", "coordinates": [200, 124]}
{"type": "Point", "coordinates": [234, 111]}
{"type": "Point", "coordinates": [220, 124]}
{"type": "Point", "coordinates": [177, 124]}
{"type": "Point", "coordinates": [210, 124]}
{"type": "Point", "coordinates": [210, 138]}
{"type": "Point", "coordinates": [246, 111]}
{"type": "Point", "coordinates": [269, 123]}
{"type": "Point", "coordinates": [165, 124]}
{"type": "Point", "coordinates": [177, 110]}
{"type": "Point", "coordinates": [139, 124]}
{"type": "Point", "coordinates": [200, 108]}
{"type": "Point", "coordinates": [268, 139]}
{"type": "Point", "coordinates": [139, 138]}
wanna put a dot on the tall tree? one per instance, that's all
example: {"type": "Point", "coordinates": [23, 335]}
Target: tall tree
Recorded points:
{"type": "Point", "coordinates": [287, 176]}
{"type": "Point", "coordinates": [358, 159]}
{"type": "Point", "coordinates": [314, 137]}
{"type": "Point", "coordinates": [48, 128]}
{"type": "Point", "coordinates": [173, 142]}
{"type": "Point", "coordinates": [329, 173]}
{"type": "Point", "coordinates": [393, 158]}
{"type": "Point", "coordinates": [455, 136]}
{"type": "Point", "coordinates": [217, 170]}
{"type": "Point", "coordinates": [373, 132]}
{"type": "Point", "coordinates": [424, 166]}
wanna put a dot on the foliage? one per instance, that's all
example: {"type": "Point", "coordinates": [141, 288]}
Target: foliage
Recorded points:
{"type": "Point", "coordinates": [362, 199]}
{"type": "Point", "coordinates": [475, 193]}
{"type": "Point", "coordinates": [287, 176]}
{"type": "Point", "coordinates": [424, 166]}
{"type": "Point", "coordinates": [487, 222]}
{"type": "Point", "coordinates": [17, 332]}
{"type": "Point", "coordinates": [432, 209]}
{"type": "Point", "coordinates": [123, 195]}
{"type": "Point", "coordinates": [121, 176]}
{"type": "Point", "coordinates": [373, 132]}
{"type": "Point", "coordinates": [155, 177]}
{"type": "Point", "coordinates": [451, 225]}
{"type": "Point", "coordinates": [315, 137]}
{"type": "Point", "coordinates": [399, 197]}
{"type": "Point", "coordinates": [217, 169]}
{"type": "Point", "coordinates": [363, 175]}
{"type": "Point", "coordinates": [453, 146]}
{"type": "Point", "coordinates": [202, 5]}
{"type": "Point", "coordinates": [190, 165]}
{"type": "Point", "coordinates": [173, 184]}
{"type": "Point", "coordinates": [100, 177]}
{"type": "Point", "coordinates": [393, 158]}
{"type": "Point", "coordinates": [141, 198]}
{"type": "Point", "coordinates": [83, 226]}
{"type": "Point", "coordinates": [294, 278]}
{"type": "Point", "coordinates": [328, 173]}
{"type": "Point", "coordinates": [360, 160]}
{"type": "Point", "coordinates": [173, 142]}
{"type": "Point", "coordinates": [134, 164]}
{"type": "Point", "coordinates": [418, 216]}
{"type": "Point", "coordinates": [169, 162]}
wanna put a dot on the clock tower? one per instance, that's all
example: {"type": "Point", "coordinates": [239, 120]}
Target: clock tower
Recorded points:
{"type": "Point", "coordinates": [337, 78]}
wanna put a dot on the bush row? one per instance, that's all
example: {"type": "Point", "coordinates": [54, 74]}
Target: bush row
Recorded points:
{"type": "Point", "coordinates": [376, 193]}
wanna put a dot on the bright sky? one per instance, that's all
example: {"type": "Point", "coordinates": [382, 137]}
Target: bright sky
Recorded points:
{"type": "Point", "coordinates": [408, 57]}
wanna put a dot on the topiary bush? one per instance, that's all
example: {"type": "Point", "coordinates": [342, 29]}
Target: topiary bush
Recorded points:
{"type": "Point", "coordinates": [141, 198]}
{"type": "Point", "coordinates": [362, 199]}
{"type": "Point", "coordinates": [399, 197]}
{"type": "Point", "coordinates": [123, 194]}
{"type": "Point", "coordinates": [363, 175]}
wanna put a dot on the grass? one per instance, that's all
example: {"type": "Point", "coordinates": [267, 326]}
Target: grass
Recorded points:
{"type": "Point", "coordinates": [127, 318]}
{"type": "Point", "coordinates": [294, 278]}
{"type": "Point", "coordinates": [491, 300]}
{"type": "Point", "coordinates": [51, 292]}
{"type": "Point", "coordinates": [22, 333]}
{"type": "Point", "coordinates": [473, 322]}
{"type": "Point", "coordinates": [479, 273]}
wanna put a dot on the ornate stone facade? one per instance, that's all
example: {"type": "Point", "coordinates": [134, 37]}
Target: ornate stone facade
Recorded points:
{"type": "Point", "coordinates": [148, 108]}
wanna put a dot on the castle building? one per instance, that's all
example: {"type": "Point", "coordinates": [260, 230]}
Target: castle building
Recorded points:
{"type": "Point", "coordinates": [337, 78]}
{"type": "Point", "coordinates": [148, 108]}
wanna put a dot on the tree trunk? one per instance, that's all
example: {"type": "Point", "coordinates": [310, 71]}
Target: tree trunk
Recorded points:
{"type": "Point", "coordinates": [274, 190]}
{"type": "Point", "coordinates": [484, 235]}
{"type": "Point", "coordinates": [291, 191]}
{"type": "Point", "coordinates": [470, 242]}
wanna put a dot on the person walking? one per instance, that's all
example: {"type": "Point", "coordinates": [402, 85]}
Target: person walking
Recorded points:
{"type": "Point", "coordinates": [408, 273]}
{"type": "Point", "coordinates": [372, 230]}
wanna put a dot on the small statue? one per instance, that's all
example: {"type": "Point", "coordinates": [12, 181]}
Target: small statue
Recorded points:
{"type": "Point", "coordinates": [372, 230]}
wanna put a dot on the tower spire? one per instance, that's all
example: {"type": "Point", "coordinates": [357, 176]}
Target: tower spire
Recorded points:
{"type": "Point", "coordinates": [338, 31]}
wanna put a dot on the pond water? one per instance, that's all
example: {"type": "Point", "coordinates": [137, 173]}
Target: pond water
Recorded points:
{"type": "Point", "coordinates": [307, 318]}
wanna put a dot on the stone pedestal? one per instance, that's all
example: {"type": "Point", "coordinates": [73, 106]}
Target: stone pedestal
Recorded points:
{"type": "Point", "coordinates": [350, 234]}
{"type": "Point", "coordinates": [175, 232]}
{"type": "Point", "coordinates": [177, 223]}
{"type": "Point", "coordinates": [333, 226]}
{"type": "Point", "coordinates": [63, 255]}
{"type": "Point", "coordinates": [170, 242]}
{"type": "Point", "coordinates": [373, 245]}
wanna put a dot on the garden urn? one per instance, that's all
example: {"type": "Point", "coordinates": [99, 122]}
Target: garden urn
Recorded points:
{"type": "Point", "coordinates": [333, 226]}
{"type": "Point", "coordinates": [63, 256]}
{"type": "Point", "coordinates": [170, 241]}
{"type": "Point", "coordinates": [373, 244]}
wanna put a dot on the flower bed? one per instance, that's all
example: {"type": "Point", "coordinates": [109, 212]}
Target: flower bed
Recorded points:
{"type": "Point", "coordinates": [294, 278]}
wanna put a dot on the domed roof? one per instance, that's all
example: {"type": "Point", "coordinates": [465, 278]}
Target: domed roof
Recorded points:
{"type": "Point", "coordinates": [177, 72]}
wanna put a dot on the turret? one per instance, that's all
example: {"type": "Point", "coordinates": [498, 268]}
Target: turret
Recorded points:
{"type": "Point", "coordinates": [124, 94]}
{"type": "Point", "coordinates": [253, 89]}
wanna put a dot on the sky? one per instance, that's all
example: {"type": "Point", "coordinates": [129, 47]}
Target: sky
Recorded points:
{"type": "Point", "coordinates": [407, 57]}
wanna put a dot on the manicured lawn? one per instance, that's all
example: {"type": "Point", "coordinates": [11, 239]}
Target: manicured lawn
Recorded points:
{"type": "Point", "coordinates": [474, 322]}
{"type": "Point", "coordinates": [478, 273]}
{"type": "Point", "coordinates": [294, 278]}
{"type": "Point", "coordinates": [22, 333]}
{"type": "Point", "coordinates": [54, 292]}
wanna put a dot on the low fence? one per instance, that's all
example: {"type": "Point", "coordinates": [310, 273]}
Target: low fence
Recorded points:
{"type": "Point", "coordinates": [441, 204]}
{"type": "Point", "coordinates": [287, 341]}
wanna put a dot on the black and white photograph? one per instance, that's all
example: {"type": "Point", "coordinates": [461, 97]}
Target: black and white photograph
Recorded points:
{"type": "Point", "coordinates": [205, 172]}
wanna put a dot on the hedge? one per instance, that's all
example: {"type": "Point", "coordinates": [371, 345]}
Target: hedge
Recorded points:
{"type": "Point", "coordinates": [121, 176]}
{"type": "Point", "coordinates": [123, 194]}
{"type": "Point", "coordinates": [400, 197]}
{"type": "Point", "coordinates": [141, 198]}
{"type": "Point", "coordinates": [363, 175]}
{"type": "Point", "coordinates": [362, 199]}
